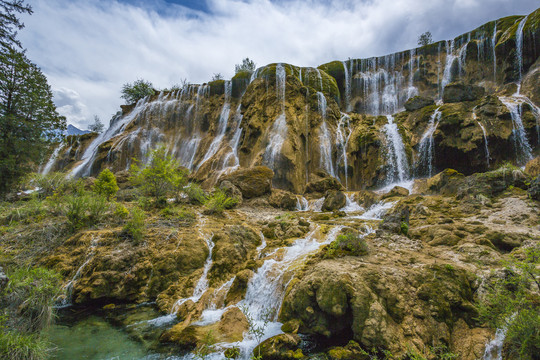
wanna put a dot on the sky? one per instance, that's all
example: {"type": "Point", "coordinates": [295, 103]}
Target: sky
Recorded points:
{"type": "Point", "coordinates": [89, 48]}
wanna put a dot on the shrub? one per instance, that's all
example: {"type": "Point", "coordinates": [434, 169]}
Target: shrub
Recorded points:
{"type": "Point", "coordinates": [163, 176]}
{"type": "Point", "coordinates": [106, 184]}
{"type": "Point", "coordinates": [134, 227]}
{"type": "Point", "coordinates": [219, 201]}
{"type": "Point", "coordinates": [350, 243]}
{"type": "Point", "coordinates": [85, 210]}
{"type": "Point", "coordinates": [121, 211]}
{"type": "Point", "coordinates": [247, 65]}
{"type": "Point", "coordinates": [512, 301]}
{"type": "Point", "coordinates": [195, 194]}
{"type": "Point", "coordinates": [136, 91]}
{"type": "Point", "coordinates": [17, 346]}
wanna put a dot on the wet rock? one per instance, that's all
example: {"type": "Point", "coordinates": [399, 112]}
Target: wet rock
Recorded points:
{"type": "Point", "coordinates": [397, 191]}
{"type": "Point", "coordinates": [534, 189]}
{"type": "Point", "coordinates": [239, 287]}
{"type": "Point", "coordinates": [321, 183]}
{"type": "Point", "coordinates": [334, 200]}
{"type": "Point", "coordinates": [282, 199]}
{"type": "Point", "coordinates": [532, 168]}
{"type": "Point", "coordinates": [418, 102]}
{"type": "Point", "coordinates": [280, 347]}
{"type": "Point", "coordinates": [233, 324]}
{"type": "Point", "coordinates": [352, 351]}
{"type": "Point", "coordinates": [252, 182]}
{"type": "Point", "coordinates": [458, 92]}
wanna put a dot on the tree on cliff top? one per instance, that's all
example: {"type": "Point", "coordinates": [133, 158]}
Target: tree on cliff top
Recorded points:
{"type": "Point", "coordinates": [136, 91]}
{"type": "Point", "coordinates": [29, 123]}
{"type": "Point", "coordinates": [247, 65]}
{"type": "Point", "coordinates": [425, 39]}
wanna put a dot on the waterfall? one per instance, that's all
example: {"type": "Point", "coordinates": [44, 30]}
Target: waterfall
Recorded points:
{"type": "Point", "coordinates": [325, 139]}
{"type": "Point", "coordinates": [301, 203]}
{"type": "Point", "coordinates": [462, 57]}
{"type": "Point", "coordinates": [396, 158]}
{"type": "Point", "coordinates": [493, 45]}
{"type": "Point", "coordinates": [412, 90]}
{"type": "Point", "coordinates": [348, 106]}
{"type": "Point", "coordinates": [426, 148]}
{"type": "Point", "coordinates": [351, 205]}
{"type": "Point", "coordinates": [486, 147]}
{"type": "Point", "coordinates": [521, 143]}
{"type": "Point", "coordinates": [450, 57]}
{"type": "Point", "coordinates": [519, 49]}
{"type": "Point", "coordinates": [494, 348]}
{"type": "Point", "coordinates": [222, 125]}
{"type": "Point", "coordinates": [48, 166]}
{"type": "Point", "coordinates": [343, 134]}
{"type": "Point", "coordinates": [278, 132]}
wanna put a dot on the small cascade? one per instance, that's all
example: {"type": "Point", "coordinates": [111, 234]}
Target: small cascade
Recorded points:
{"type": "Point", "coordinates": [493, 45]}
{"type": "Point", "coordinates": [316, 205]}
{"type": "Point", "coordinates": [494, 348]}
{"type": "Point", "coordinates": [426, 148]}
{"type": "Point", "coordinates": [521, 143]}
{"type": "Point", "coordinates": [450, 57]}
{"type": "Point", "coordinates": [325, 139]}
{"type": "Point", "coordinates": [348, 106]}
{"type": "Point", "coordinates": [222, 125]}
{"type": "Point", "coordinates": [397, 162]}
{"type": "Point", "coordinates": [376, 211]}
{"type": "Point", "coordinates": [65, 300]}
{"type": "Point", "coordinates": [351, 205]}
{"type": "Point", "coordinates": [343, 134]}
{"type": "Point", "coordinates": [486, 147]}
{"type": "Point", "coordinates": [302, 204]}
{"type": "Point", "coordinates": [48, 166]}
{"type": "Point", "coordinates": [202, 284]}
{"type": "Point", "coordinates": [261, 247]}
{"type": "Point", "coordinates": [519, 49]}
{"type": "Point", "coordinates": [278, 132]}
{"type": "Point", "coordinates": [412, 90]}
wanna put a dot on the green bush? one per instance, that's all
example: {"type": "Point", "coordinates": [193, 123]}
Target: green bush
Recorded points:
{"type": "Point", "coordinates": [512, 301]}
{"type": "Point", "coordinates": [106, 184]}
{"type": "Point", "coordinates": [195, 194]}
{"type": "Point", "coordinates": [352, 243]}
{"type": "Point", "coordinates": [121, 212]}
{"type": "Point", "coordinates": [162, 177]}
{"type": "Point", "coordinates": [134, 227]}
{"type": "Point", "coordinates": [136, 91]}
{"type": "Point", "coordinates": [31, 293]}
{"type": "Point", "coordinates": [218, 202]}
{"type": "Point", "coordinates": [85, 210]}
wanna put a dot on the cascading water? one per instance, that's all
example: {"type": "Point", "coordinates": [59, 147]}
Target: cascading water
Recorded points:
{"type": "Point", "coordinates": [426, 149]}
{"type": "Point", "coordinates": [50, 163]}
{"type": "Point", "coordinates": [450, 57]}
{"type": "Point", "coordinates": [343, 134]}
{"type": "Point", "coordinates": [302, 204]}
{"type": "Point", "coordinates": [521, 143]}
{"type": "Point", "coordinates": [494, 54]}
{"type": "Point", "coordinates": [412, 90]}
{"type": "Point", "coordinates": [348, 106]}
{"type": "Point", "coordinates": [486, 147]}
{"type": "Point", "coordinates": [278, 132]}
{"type": "Point", "coordinates": [494, 348]}
{"type": "Point", "coordinates": [396, 157]}
{"type": "Point", "coordinates": [351, 205]}
{"type": "Point", "coordinates": [325, 139]}
{"type": "Point", "coordinates": [222, 125]}
{"type": "Point", "coordinates": [519, 50]}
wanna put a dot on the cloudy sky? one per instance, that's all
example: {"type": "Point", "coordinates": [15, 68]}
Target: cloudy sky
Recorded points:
{"type": "Point", "coordinates": [89, 48]}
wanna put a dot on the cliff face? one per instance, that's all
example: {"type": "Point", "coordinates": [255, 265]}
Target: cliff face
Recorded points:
{"type": "Point", "coordinates": [299, 121]}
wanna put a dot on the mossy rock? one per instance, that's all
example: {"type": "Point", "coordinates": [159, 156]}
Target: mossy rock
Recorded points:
{"type": "Point", "coordinates": [459, 92]}
{"type": "Point", "coordinates": [418, 102]}
{"type": "Point", "coordinates": [280, 347]}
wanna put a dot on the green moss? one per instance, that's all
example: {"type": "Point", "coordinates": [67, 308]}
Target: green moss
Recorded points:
{"type": "Point", "coordinates": [217, 87]}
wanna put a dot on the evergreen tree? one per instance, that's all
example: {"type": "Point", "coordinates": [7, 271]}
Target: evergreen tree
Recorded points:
{"type": "Point", "coordinates": [425, 39]}
{"type": "Point", "coordinates": [29, 123]}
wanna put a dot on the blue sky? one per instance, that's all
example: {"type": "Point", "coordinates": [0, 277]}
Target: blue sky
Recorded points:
{"type": "Point", "coordinates": [89, 48]}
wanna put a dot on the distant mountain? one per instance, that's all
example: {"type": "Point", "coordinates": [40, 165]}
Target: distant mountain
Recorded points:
{"type": "Point", "coordinates": [72, 130]}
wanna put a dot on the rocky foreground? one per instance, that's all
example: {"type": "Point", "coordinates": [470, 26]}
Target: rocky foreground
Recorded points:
{"type": "Point", "coordinates": [410, 282]}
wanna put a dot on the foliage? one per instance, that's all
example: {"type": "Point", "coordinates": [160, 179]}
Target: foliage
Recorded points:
{"type": "Point", "coordinates": [29, 123]}
{"type": "Point", "coordinates": [50, 183]}
{"type": "Point", "coordinates": [32, 210]}
{"type": "Point", "coordinates": [31, 292]}
{"type": "Point", "coordinates": [182, 215]}
{"type": "Point", "coordinates": [217, 76]}
{"type": "Point", "coordinates": [232, 353]}
{"type": "Point", "coordinates": [404, 227]}
{"type": "Point", "coordinates": [206, 347]}
{"type": "Point", "coordinates": [195, 194]}
{"type": "Point", "coordinates": [247, 65]}
{"type": "Point", "coordinates": [163, 175]}
{"type": "Point", "coordinates": [121, 211]}
{"type": "Point", "coordinates": [9, 23]}
{"type": "Point", "coordinates": [512, 300]}
{"type": "Point", "coordinates": [97, 126]}
{"type": "Point", "coordinates": [22, 346]}
{"type": "Point", "coordinates": [351, 243]}
{"type": "Point", "coordinates": [133, 92]}
{"type": "Point", "coordinates": [134, 227]}
{"type": "Point", "coordinates": [256, 328]}
{"type": "Point", "coordinates": [425, 39]}
{"type": "Point", "coordinates": [219, 201]}
{"type": "Point", "coordinates": [106, 184]}
{"type": "Point", "coordinates": [85, 209]}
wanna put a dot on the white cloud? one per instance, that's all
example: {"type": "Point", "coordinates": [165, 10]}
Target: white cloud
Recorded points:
{"type": "Point", "coordinates": [93, 47]}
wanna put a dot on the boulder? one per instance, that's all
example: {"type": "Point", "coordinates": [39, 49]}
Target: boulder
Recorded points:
{"type": "Point", "coordinates": [396, 222]}
{"type": "Point", "coordinates": [282, 199]}
{"type": "Point", "coordinates": [534, 189]}
{"type": "Point", "coordinates": [321, 184]}
{"type": "Point", "coordinates": [232, 191]}
{"type": "Point", "coordinates": [397, 191]}
{"type": "Point", "coordinates": [334, 200]}
{"type": "Point", "coordinates": [446, 182]}
{"type": "Point", "coordinates": [493, 182]}
{"type": "Point", "coordinates": [233, 324]}
{"type": "Point", "coordinates": [239, 287]}
{"type": "Point", "coordinates": [532, 168]}
{"type": "Point", "coordinates": [458, 92]}
{"type": "Point", "coordinates": [252, 182]}
{"type": "Point", "coordinates": [280, 347]}
{"type": "Point", "coordinates": [418, 102]}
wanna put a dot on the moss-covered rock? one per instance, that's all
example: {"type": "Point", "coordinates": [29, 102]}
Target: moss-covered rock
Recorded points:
{"type": "Point", "coordinates": [418, 102]}
{"type": "Point", "coordinates": [334, 200]}
{"type": "Point", "coordinates": [252, 182]}
{"type": "Point", "coordinates": [458, 92]}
